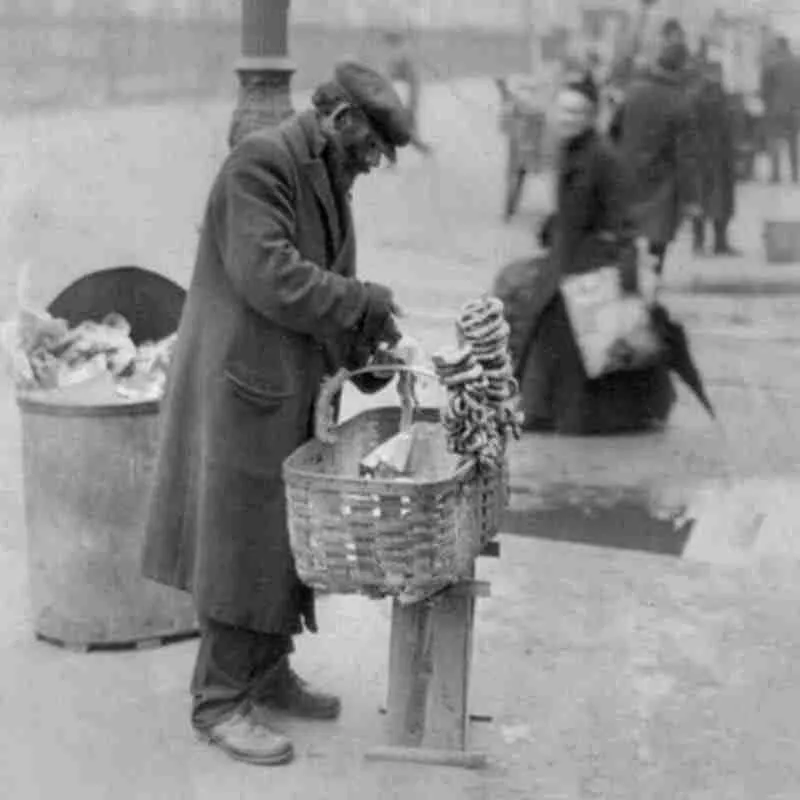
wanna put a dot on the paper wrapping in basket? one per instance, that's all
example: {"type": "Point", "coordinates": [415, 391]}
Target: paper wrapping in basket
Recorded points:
{"type": "Point", "coordinates": [613, 330]}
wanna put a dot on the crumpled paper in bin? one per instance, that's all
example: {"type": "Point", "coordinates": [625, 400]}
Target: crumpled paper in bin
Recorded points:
{"type": "Point", "coordinates": [44, 353]}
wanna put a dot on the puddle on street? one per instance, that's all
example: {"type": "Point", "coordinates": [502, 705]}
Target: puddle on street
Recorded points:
{"type": "Point", "coordinates": [628, 523]}
{"type": "Point", "coordinates": [754, 289]}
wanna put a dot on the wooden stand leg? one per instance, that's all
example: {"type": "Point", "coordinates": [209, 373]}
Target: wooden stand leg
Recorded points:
{"type": "Point", "coordinates": [429, 669]}
{"type": "Point", "coordinates": [410, 666]}
{"type": "Point", "coordinates": [452, 620]}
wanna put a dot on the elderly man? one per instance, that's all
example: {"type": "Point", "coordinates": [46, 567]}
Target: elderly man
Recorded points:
{"type": "Point", "coordinates": [656, 135]}
{"type": "Point", "coordinates": [274, 305]}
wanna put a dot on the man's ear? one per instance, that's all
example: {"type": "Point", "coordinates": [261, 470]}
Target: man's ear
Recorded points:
{"type": "Point", "coordinates": [339, 117]}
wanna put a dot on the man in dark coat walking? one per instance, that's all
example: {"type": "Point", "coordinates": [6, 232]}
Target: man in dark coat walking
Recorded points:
{"type": "Point", "coordinates": [780, 91]}
{"type": "Point", "coordinates": [274, 305]}
{"type": "Point", "coordinates": [402, 68]}
{"type": "Point", "coordinates": [716, 155]}
{"type": "Point", "coordinates": [656, 136]}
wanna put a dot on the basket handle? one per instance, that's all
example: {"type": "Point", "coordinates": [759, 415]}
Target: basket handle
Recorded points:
{"type": "Point", "coordinates": [323, 417]}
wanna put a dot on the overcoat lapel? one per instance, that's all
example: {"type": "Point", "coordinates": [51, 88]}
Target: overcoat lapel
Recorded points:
{"type": "Point", "coordinates": [306, 143]}
{"type": "Point", "coordinates": [317, 174]}
{"type": "Point", "coordinates": [345, 262]}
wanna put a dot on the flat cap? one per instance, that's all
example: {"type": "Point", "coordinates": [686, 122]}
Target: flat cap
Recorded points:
{"type": "Point", "coordinates": [375, 95]}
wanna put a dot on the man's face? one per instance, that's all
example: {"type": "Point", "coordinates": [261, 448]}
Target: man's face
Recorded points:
{"type": "Point", "coordinates": [575, 114]}
{"type": "Point", "coordinates": [357, 144]}
{"type": "Point", "coordinates": [675, 38]}
{"type": "Point", "coordinates": [674, 50]}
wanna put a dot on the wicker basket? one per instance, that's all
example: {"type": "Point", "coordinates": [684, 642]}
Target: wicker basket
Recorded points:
{"type": "Point", "coordinates": [405, 538]}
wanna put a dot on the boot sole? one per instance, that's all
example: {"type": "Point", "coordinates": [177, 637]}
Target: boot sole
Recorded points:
{"type": "Point", "coordinates": [282, 757]}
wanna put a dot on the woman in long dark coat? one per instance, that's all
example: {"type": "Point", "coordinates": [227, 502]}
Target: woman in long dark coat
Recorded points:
{"type": "Point", "coordinates": [591, 229]}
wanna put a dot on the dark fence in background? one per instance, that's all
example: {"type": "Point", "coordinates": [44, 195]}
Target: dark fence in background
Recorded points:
{"type": "Point", "coordinates": [85, 61]}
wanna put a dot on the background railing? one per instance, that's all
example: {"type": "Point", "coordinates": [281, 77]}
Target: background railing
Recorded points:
{"type": "Point", "coordinates": [81, 59]}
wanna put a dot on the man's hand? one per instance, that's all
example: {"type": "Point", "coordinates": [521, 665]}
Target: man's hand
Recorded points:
{"type": "Point", "coordinates": [390, 334]}
{"type": "Point", "coordinates": [379, 323]}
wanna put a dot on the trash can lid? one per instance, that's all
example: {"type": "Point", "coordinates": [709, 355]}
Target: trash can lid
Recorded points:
{"type": "Point", "coordinates": [150, 302]}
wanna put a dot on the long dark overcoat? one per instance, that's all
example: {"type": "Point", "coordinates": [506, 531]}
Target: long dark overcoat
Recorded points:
{"type": "Point", "coordinates": [591, 228]}
{"type": "Point", "coordinates": [716, 148]}
{"type": "Point", "coordinates": [269, 311]}
{"type": "Point", "coordinates": [657, 140]}
{"type": "Point", "coordinates": [780, 87]}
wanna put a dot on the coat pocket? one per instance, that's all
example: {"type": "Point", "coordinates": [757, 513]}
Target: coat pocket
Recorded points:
{"type": "Point", "coordinates": [266, 398]}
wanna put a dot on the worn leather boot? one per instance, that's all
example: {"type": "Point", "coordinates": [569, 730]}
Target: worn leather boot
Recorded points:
{"type": "Point", "coordinates": [285, 691]}
{"type": "Point", "coordinates": [247, 739]}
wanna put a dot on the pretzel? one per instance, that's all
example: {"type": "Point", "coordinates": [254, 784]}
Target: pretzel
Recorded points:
{"type": "Point", "coordinates": [453, 359]}
{"type": "Point", "coordinates": [477, 320]}
{"type": "Point", "coordinates": [461, 378]}
{"type": "Point", "coordinates": [485, 307]}
{"type": "Point", "coordinates": [479, 379]}
{"type": "Point", "coordinates": [494, 358]}
{"type": "Point", "coordinates": [485, 328]}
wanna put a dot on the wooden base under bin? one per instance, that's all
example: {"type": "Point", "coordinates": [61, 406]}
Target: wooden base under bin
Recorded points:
{"type": "Point", "coordinates": [88, 470]}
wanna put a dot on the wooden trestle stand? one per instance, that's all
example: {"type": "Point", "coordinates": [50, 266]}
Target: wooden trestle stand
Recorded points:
{"type": "Point", "coordinates": [430, 655]}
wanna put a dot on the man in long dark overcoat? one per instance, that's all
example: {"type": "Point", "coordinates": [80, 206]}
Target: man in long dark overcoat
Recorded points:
{"type": "Point", "coordinates": [716, 155]}
{"type": "Point", "coordinates": [657, 139]}
{"type": "Point", "coordinates": [274, 305]}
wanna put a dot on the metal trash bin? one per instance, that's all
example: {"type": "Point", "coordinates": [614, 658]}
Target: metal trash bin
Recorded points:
{"type": "Point", "coordinates": [88, 468]}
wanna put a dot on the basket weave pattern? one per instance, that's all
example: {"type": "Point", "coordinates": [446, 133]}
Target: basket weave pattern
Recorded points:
{"type": "Point", "coordinates": [407, 539]}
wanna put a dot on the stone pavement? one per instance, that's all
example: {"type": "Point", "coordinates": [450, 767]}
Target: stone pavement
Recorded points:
{"type": "Point", "coordinates": [607, 673]}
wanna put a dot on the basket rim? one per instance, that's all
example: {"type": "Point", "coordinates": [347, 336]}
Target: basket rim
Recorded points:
{"type": "Point", "coordinates": [378, 485]}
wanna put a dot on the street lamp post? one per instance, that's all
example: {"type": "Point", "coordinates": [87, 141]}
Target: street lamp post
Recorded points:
{"type": "Point", "coordinates": [264, 68]}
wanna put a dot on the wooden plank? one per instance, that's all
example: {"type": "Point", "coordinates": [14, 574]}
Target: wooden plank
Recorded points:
{"type": "Point", "coordinates": [424, 755]}
{"type": "Point", "coordinates": [468, 658]}
{"type": "Point", "coordinates": [447, 699]}
{"type": "Point", "coordinates": [429, 669]}
{"type": "Point", "coordinates": [409, 672]}
{"type": "Point", "coordinates": [472, 717]}
{"type": "Point", "coordinates": [447, 711]}
{"type": "Point", "coordinates": [468, 652]}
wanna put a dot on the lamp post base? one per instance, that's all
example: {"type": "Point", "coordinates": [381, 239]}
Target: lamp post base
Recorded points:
{"type": "Point", "coordinates": [264, 95]}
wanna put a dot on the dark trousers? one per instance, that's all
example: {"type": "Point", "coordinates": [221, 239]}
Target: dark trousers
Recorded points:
{"type": "Point", "coordinates": [232, 666]}
{"type": "Point", "coordinates": [720, 233]}
{"type": "Point", "coordinates": [659, 251]}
